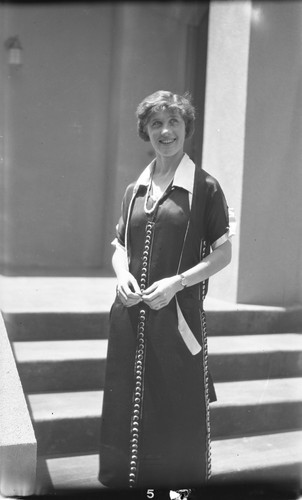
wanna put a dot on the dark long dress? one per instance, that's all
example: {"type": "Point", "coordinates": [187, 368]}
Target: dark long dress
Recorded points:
{"type": "Point", "coordinates": [155, 429]}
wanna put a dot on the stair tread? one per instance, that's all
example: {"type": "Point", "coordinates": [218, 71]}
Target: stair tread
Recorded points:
{"type": "Point", "coordinates": [258, 392]}
{"type": "Point", "coordinates": [61, 350]}
{"type": "Point", "coordinates": [51, 406]}
{"type": "Point", "coordinates": [270, 342]}
{"type": "Point", "coordinates": [56, 294]}
{"type": "Point", "coordinates": [82, 294]}
{"type": "Point", "coordinates": [257, 452]}
{"type": "Point", "coordinates": [78, 471]}
{"type": "Point", "coordinates": [228, 456]}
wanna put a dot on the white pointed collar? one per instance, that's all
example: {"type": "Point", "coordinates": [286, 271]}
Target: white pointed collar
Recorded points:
{"type": "Point", "coordinates": [184, 175]}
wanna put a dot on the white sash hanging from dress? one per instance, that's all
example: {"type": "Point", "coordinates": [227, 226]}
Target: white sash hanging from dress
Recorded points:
{"type": "Point", "coordinates": [186, 333]}
{"type": "Point", "coordinates": [186, 181]}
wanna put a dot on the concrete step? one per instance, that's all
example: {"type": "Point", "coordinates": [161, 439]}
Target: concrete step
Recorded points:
{"type": "Point", "coordinates": [36, 326]}
{"type": "Point", "coordinates": [65, 325]}
{"type": "Point", "coordinates": [265, 458]}
{"type": "Point", "coordinates": [247, 357]}
{"type": "Point", "coordinates": [257, 406]}
{"type": "Point", "coordinates": [69, 422]}
{"type": "Point", "coordinates": [62, 365]}
{"type": "Point", "coordinates": [49, 366]}
{"type": "Point", "coordinates": [44, 308]}
{"type": "Point", "coordinates": [258, 457]}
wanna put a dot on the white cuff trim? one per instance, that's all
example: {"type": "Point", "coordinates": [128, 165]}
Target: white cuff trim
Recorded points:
{"type": "Point", "coordinates": [220, 241]}
{"type": "Point", "coordinates": [232, 223]}
{"type": "Point", "coordinates": [231, 231]}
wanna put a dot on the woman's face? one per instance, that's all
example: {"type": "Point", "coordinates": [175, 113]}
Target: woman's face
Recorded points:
{"type": "Point", "coordinates": [166, 130]}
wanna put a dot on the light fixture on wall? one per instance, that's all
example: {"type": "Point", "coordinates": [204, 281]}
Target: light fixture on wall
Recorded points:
{"type": "Point", "coordinates": [14, 49]}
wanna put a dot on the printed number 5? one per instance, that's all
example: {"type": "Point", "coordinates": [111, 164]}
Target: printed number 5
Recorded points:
{"type": "Point", "coordinates": [150, 493]}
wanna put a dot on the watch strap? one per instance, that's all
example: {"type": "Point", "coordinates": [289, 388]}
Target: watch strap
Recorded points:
{"type": "Point", "coordinates": [183, 281]}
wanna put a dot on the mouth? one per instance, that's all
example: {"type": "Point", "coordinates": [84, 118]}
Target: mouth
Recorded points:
{"type": "Point", "coordinates": [167, 141]}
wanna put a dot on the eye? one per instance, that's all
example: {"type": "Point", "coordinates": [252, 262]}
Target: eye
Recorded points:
{"type": "Point", "coordinates": [174, 121]}
{"type": "Point", "coordinates": [155, 124]}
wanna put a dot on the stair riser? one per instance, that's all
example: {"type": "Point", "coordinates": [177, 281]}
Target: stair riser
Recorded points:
{"type": "Point", "coordinates": [62, 376]}
{"type": "Point", "coordinates": [249, 322]}
{"type": "Point", "coordinates": [255, 366]}
{"type": "Point", "coordinates": [85, 325]}
{"type": "Point", "coordinates": [67, 436]}
{"type": "Point", "coordinates": [227, 422]}
{"type": "Point", "coordinates": [81, 375]}
{"type": "Point", "coordinates": [56, 326]}
{"type": "Point", "coordinates": [273, 483]}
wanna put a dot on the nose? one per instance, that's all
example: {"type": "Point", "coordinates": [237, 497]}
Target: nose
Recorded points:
{"type": "Point", "coordinates": [165, 129]}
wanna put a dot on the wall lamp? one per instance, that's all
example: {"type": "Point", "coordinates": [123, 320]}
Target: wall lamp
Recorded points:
{"type": "Point", "coordinates": [14, 48]}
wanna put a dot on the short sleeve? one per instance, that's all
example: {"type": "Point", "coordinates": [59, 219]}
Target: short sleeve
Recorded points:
{"type": "Point", "coordinates": [217, 216]}
{"type": "Point", "coordinates": [121, 225]}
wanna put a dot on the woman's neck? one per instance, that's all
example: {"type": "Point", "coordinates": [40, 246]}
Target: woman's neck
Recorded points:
{"type": "Point", "coordinates": [166, 166]}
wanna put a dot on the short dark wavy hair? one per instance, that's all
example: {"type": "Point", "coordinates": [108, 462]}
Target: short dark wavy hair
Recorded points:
{"type": "Point", "coordinates": [165, 100]}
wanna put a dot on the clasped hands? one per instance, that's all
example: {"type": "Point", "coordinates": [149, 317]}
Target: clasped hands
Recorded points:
{"type": "Point", "coordinates": [156, 296]}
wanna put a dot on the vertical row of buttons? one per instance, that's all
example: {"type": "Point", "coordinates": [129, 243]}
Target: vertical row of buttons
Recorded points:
{"type": "Point", "coordinates": [206, 377]}
{"type": "Point", "coordinates": [203, 284]}
{"type": "Point", "coordinates": [139, 367]}
{"type": "Point", "coordinates": [206, 382]}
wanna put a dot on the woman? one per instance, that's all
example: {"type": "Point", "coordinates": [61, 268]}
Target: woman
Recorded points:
{"type": "Point", "coordinates": [173, 235]}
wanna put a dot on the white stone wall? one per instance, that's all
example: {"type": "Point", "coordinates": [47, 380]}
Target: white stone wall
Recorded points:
{"type": "Point", "coordinates": [18, 446]}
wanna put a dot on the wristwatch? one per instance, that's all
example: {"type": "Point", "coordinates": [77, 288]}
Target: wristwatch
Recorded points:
{"type": "Point", "coordinates": [183, 281]}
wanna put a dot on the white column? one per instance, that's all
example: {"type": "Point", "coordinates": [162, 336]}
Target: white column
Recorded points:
{"type": "Point", "coordinates": [225, 111]}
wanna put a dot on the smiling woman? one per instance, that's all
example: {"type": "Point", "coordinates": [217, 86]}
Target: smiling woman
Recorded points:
{"type": "Point", "coordinates": [173, 234]}
{"type": "Point", "coordinates": [166, 120]}
{"type": "Point", "coordinates": [166, 130]}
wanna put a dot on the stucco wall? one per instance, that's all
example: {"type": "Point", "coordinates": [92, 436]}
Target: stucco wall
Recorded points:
{"type": "Point", "coordinates": [71, 145]}
{"type": "Point", "coordinates": [55, 134]}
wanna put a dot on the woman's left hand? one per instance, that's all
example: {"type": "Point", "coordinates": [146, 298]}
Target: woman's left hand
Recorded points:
{"type": "Point", "coordinates": [159, 294]}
